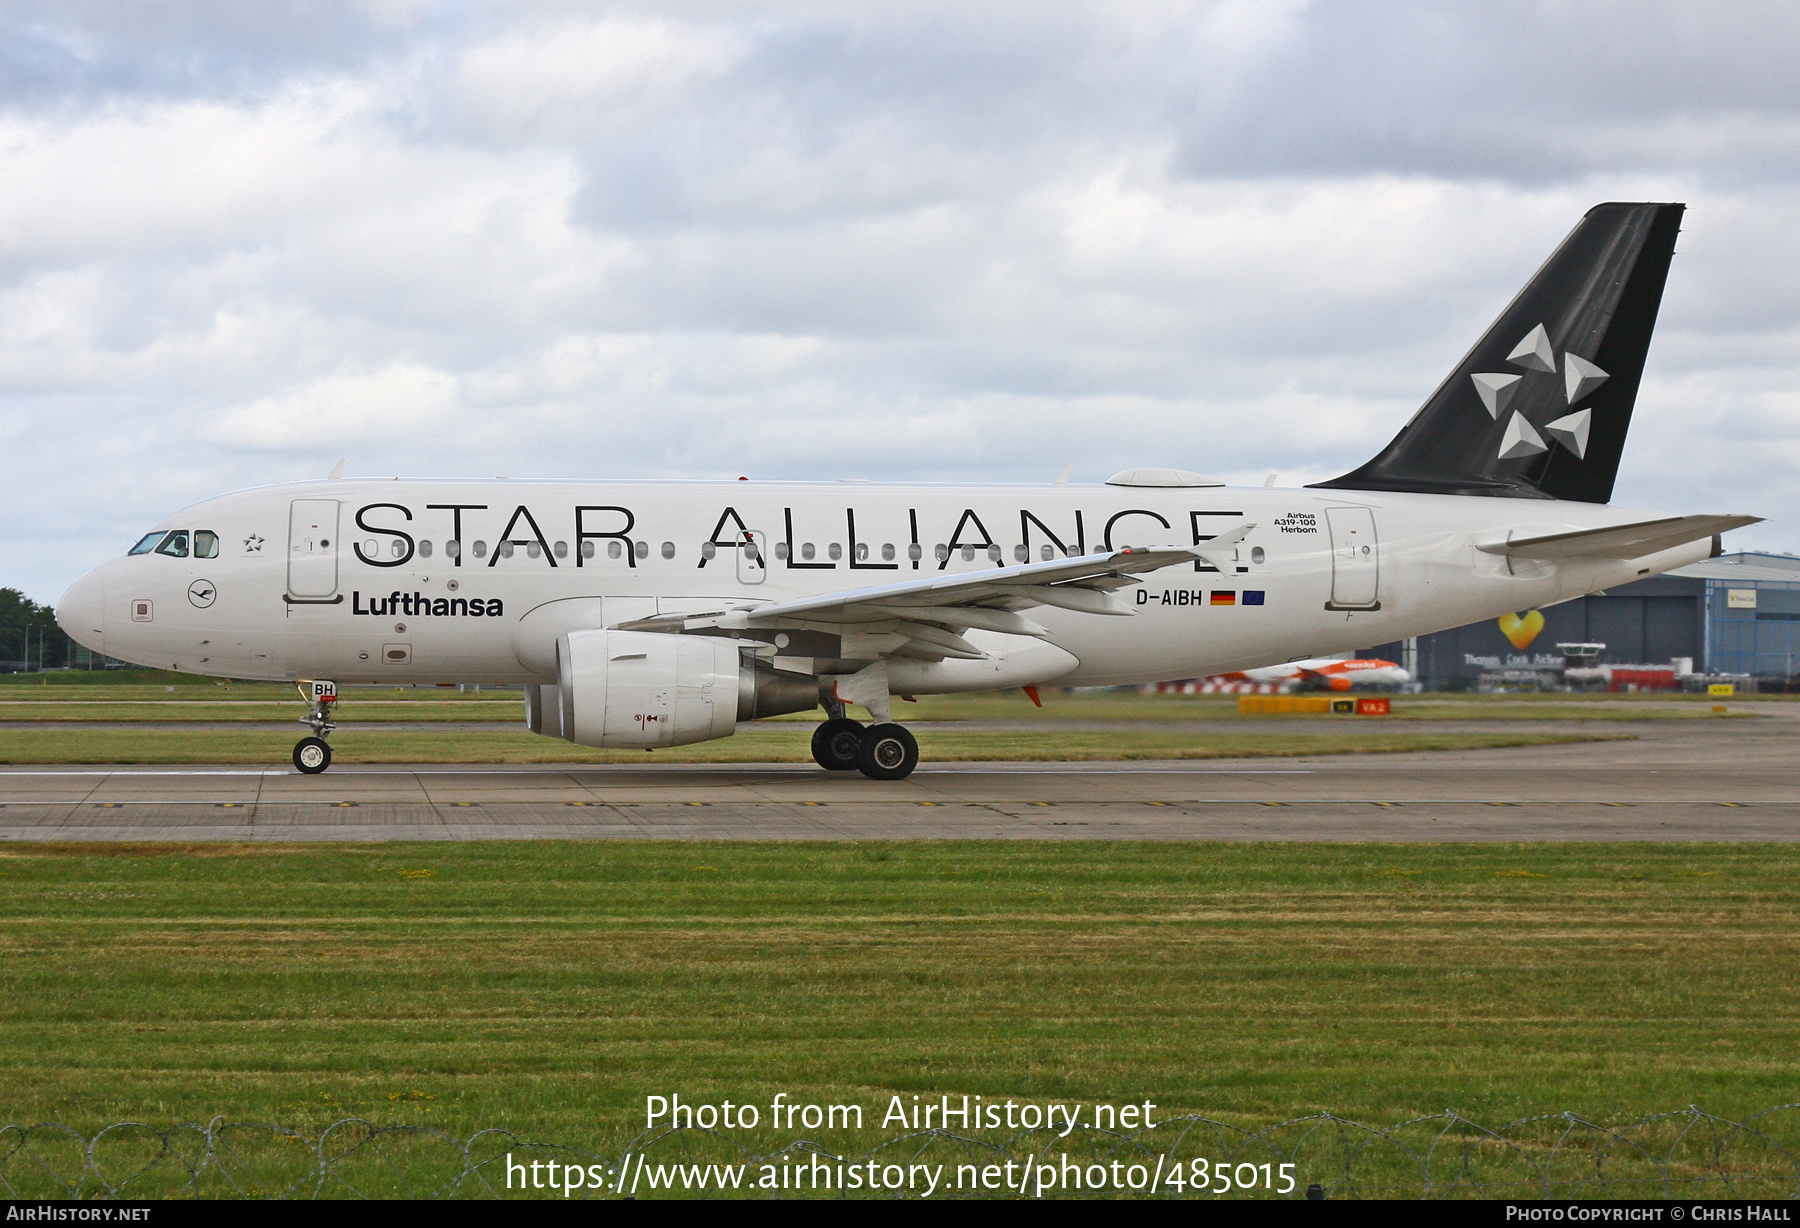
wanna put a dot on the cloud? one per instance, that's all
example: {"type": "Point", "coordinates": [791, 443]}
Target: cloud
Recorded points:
{"type": "Point", "coordinates": [934, 241]}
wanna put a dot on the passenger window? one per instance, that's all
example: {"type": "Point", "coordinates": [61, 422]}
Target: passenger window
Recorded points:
{"type": "Point", "coordinates": [1046, 552]}
{"type": "Point", "coordinates": [533, 550]}
{"type": "Point", "coordinates": [643, 550]}
{"type": "Point", "coordinates": [781, 550]}
{"type": "Point", "coordinates": [1256, 554]}
{"type": "Point", "coordinates": [147, 543]}
{"type": "Point", "coordinates": [887, 552]}
{"type": "Point", "coordinates": [612, 549]}
{"type": "Point", "coordinates": [915, 552]}
{"type": "Point", "coordinates": [668, 550]}
{"type": "Point", "coordinates": [993, 553]}
{"type": "Point", "coordinates": [806, 550]}
{"type": "Point", "coordinates": [862, 552]}
{"type": "Point", "coordinates": [424, 549]}
{"type": "Point", "coordinates": [835, 551]}
{"type": "Point", "coordinates": [174, 545]}
{"type": "Point", "coordinates": [562, 550]}
{"type": "Point", "coordinates": [968, 553]}
{"type": "Point", "coordinates": [1021, 554]}
{"type": "Point", "coordinates": [587, 550]}
{"type": "Point", "coordinates": [480, 550]}
{"type": "Point", "coordinates": [504, 549]}
{"type": "Point", "coordinates": [453, 549]}
{"type": "Point", "coordinates": [397, 549]}
{"type": "Point", "coordinates": [206, 544]}
{"type": "Point", "coordinates": [708, 550]}
{"type": "Point", "coordinates": [943, 553]}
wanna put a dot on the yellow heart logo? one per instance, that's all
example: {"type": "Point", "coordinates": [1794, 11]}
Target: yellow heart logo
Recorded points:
{"type": "Point", "coordinates": [1521, 631]}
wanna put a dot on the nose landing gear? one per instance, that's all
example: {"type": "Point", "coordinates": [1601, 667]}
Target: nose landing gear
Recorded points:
{"type": "Point", "coordinates": [313, 755]}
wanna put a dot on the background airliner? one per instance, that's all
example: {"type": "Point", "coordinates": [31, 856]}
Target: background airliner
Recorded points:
{"type": "Point", "coordinates": [654, 614]}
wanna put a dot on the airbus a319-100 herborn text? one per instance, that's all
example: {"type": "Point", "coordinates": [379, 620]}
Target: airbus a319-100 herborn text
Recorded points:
{"type": "Point", "coordinates": [654, 614]}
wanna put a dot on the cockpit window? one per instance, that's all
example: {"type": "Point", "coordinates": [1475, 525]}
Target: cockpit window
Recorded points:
{"type": "Point", "coordinates": [206, 544]}
{"type": "Point", "coordinates": [174, 545]}
{"type": "Point", "coordinates": [148, 542]}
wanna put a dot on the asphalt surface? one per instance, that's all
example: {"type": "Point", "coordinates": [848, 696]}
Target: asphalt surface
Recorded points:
{"type": "Point", "coordinates": [1680, 780]}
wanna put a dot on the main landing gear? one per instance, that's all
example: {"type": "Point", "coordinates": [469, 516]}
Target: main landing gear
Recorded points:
{"type": "Point", "coordinates": [313, 755]}
{"type": "Point", "coordinates": [880, 752]}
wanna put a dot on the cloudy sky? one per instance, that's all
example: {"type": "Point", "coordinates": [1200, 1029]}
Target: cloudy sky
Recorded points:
{"type": "Point", "coordinates": [919, 240]}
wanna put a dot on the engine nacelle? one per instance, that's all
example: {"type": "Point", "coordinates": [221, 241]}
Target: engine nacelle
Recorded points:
{"type": "Point", "coordinates": [645, 689]}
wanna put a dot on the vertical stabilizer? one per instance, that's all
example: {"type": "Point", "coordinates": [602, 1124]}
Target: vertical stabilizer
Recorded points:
{"type": "Point", "coordinates": [1539, 408]}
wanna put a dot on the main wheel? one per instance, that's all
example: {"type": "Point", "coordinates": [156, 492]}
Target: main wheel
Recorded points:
{"type": "Point", "coordinates": [887, 752]}
{"type": "Point", "coordinates": [834, 744]}
{"type": "Point", "coordinates": [312, 755]}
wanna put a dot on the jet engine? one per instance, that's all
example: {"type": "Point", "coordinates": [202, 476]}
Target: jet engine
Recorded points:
{"type": "Point", "coordinates": [644, 690]}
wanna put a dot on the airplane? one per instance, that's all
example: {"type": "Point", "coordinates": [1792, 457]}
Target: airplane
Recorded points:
{"type": "Point", "coordinates": [1329, 673]}
{"type": "Point", "coordinates": [657, 614]}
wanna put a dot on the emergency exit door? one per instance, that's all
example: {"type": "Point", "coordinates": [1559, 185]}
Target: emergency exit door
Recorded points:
{"type": "Point", "coordinates": [1355, 558]}
{"type": "Point", "coordinates": [313, 549]}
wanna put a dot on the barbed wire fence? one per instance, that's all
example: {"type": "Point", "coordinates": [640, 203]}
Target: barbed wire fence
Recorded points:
{"type": "Point", "coordinates": [1687, 1153]}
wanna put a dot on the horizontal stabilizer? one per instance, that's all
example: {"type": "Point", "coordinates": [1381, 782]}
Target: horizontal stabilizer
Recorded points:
{"type": "Point", "coordinates": [1625, 541]}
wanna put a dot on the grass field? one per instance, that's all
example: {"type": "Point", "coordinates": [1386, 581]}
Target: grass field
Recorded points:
{"type": "Point", "coordinates": [550, 986]}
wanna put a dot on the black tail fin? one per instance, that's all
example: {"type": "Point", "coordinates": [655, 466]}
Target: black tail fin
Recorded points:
{"type": "Point", "coordinates": [1539, 408]}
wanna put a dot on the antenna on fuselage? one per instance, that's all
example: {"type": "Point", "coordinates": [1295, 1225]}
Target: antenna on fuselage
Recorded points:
{"type": "Point", "coordinates": [337, 470]}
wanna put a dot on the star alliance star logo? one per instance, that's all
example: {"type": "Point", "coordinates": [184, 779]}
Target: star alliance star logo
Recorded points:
{"type": "Point", "coordinates": [1580, 377]}
{"type": "Point", "coordinates": [253, 544]}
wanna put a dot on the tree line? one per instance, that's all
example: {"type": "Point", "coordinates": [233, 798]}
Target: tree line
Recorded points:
{"type": "Point", "coordinates": [29, 636]}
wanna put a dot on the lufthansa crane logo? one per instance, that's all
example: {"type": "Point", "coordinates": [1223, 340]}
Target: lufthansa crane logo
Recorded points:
{"type": "Point", "coordinates": [202, 593]}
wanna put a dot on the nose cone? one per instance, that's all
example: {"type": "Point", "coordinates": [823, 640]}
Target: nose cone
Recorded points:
{"type": "Point", "coordinates": [82, 612]}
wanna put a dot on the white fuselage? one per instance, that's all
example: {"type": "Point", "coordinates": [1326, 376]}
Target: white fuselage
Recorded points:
{"type": "Point", "coordinates": [368, 590]}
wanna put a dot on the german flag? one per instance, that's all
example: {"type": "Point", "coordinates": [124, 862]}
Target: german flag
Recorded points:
{"type": "Point", "coordinates": [1224, 598]}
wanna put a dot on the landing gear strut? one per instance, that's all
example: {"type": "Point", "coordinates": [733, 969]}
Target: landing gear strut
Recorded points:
{"type": "Point", "coordinates": [313, 755]}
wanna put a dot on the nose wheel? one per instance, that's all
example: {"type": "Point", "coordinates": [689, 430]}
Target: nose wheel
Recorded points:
{"type": "Point", "coordinates": [313, 755]}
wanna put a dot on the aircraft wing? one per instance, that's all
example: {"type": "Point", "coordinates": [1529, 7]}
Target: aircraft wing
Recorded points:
{"type": "Point", "coordinates": [927, 617]}
{"type": "Point", "coordinates": [1626, 541]}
